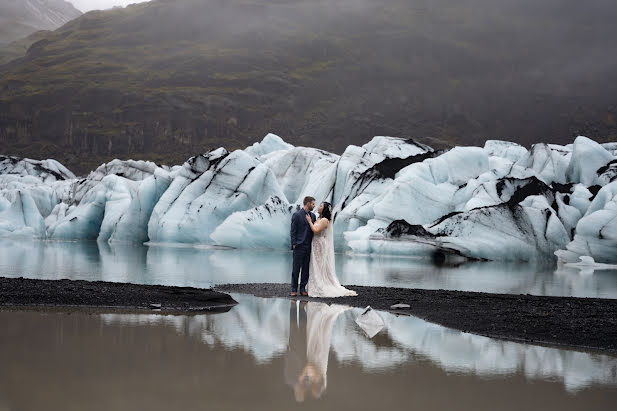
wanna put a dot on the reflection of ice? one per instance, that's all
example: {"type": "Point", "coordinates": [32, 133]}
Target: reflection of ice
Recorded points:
{"type": "Point", "coordinates": [466, 353]}
{"type": "Point", "coordinates": [370, 322]}
{"type": "Point", "coordinates": [207, 266]}
{"type": "Point", "coordinates": [261, 327]}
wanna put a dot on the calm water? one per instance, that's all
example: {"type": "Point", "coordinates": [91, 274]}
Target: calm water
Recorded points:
{"type": "Point", "coordinates": [204, 267]}
{"type": "Point", "coordinates": [277, 355]}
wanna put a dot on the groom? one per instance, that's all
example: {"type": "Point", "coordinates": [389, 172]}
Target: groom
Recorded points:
{"type": "Point", "coordinates": [301, 237]}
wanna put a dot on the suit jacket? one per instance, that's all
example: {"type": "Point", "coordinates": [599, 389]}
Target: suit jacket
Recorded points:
{"type": "Point", "coordinates": [301, 232]}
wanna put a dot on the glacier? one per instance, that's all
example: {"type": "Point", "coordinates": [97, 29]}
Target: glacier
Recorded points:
{"type": "Point", "coordinates": [391, 196]}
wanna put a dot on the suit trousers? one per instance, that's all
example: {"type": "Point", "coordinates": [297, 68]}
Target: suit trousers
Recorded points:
{"type": "Point", "coordinates": [301, 260]}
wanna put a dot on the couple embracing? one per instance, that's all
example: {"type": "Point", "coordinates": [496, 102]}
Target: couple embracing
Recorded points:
{"type": "Point", "coordinates": [312, 242]}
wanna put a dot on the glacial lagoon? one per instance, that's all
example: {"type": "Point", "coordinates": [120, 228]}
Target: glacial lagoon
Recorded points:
{"type": "Point", "coordinates": [205, 267]}
{"type": "Point", "coordinates": [277, 354]}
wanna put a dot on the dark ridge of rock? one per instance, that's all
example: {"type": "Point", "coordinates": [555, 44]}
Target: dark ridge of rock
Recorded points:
{"type": "Point", "coordinates": [530, 187]}
{"type": "Point", "coordinates": [388, 168]}
{"type": "Point", "coordinates": [57, 293]}
{"type": "Point", "coordinates": [609, 165]}
{"type": "Point", "coordinates": [8, 164]}
{"type": "Point", "coordinates": [399, 228]}
{"type": "Point", "coordinates": [594, 191]}
{"type": "Point", "coordinates": [608, 172]}
{"type": "Point", "coordinates": [588, 323]}
{"type": "Point", "coordinates": [562, 188]}
{"type": "Point", "coordinates": [445, 217]}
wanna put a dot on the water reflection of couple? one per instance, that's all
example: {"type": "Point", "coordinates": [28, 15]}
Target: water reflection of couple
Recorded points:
{"type": "Point", "coordinates": [306, 362]}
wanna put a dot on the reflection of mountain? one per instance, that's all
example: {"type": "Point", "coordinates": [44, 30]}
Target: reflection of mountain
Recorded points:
{"type": "Point", "coordinates": [260, 327]}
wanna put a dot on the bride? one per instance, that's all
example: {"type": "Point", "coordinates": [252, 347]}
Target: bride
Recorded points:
{"type": "Point", "coordinates": [322, 279]}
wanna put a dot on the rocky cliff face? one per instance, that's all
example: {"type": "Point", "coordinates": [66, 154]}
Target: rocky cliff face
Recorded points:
{"type": "Point", "coordinates": [20, 18]}
{"type": "Point", "coordinates": [165, 79]}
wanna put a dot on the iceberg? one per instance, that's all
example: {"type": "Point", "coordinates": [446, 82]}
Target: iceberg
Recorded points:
{"type": "Point", "coordinates": [390, 196]}
{"type": "Point", "coordinates": [206, 191]}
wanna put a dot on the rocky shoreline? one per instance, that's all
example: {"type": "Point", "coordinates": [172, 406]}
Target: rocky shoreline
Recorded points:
{"type": "Point", "coordinates": [588, 323]}
{"type": "Point", "coordinates": [22, 292]}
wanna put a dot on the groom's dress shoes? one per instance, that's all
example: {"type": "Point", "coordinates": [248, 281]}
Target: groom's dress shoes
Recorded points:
{"type": "Point", "coordinates": [293, 294]}
{"type": "Point", "coordinates": [304, 293]}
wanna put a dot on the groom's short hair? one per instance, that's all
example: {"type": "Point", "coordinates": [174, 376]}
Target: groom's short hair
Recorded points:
{"type": "Point", "coordinates": [308, 200]}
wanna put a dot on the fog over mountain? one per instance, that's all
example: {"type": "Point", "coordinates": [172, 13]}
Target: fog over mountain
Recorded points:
{"type": "Point", "coordinates": [19, 18]}
{"type": "Point", "coordinates": [87, 5]}
{"type": "Point", "coordinates": [166, 79]}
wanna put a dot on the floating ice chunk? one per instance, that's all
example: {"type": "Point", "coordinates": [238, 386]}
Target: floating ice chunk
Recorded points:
{"type": "Point", "coordinates": [587, 157]}
{"type": "Point", "coordinates": [370, 322]}
{"type": "Point", "coordinates": [587, 262]}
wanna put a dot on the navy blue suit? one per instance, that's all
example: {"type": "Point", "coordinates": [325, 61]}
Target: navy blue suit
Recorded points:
{"type": "Point", "coordinates": [301, 238]}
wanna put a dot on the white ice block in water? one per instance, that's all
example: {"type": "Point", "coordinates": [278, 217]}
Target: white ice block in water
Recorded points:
{"type": "Point", "coordinates": [499, 201]}
{"type": "Point", "coordinates": [370, 322]}
{"type": "Point", "coordinates": [587, 262]}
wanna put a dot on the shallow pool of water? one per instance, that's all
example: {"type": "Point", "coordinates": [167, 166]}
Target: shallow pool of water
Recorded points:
{"type": "Point", "coordinates": [276, 354]}
{"type": "Point", "coordinates": [204, 267]}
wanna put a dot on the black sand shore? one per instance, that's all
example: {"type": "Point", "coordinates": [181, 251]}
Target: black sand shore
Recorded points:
{"type": "Point", "coordinates": [589, 323]}
{"type": "Point", "coordinates": [21, 292]}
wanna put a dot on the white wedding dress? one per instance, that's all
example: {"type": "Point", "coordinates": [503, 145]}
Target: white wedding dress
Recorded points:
{"type": "Point", "coordinates": [322, 274]}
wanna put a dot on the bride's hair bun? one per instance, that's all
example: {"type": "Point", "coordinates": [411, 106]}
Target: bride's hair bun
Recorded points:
{"type": "Point", "coordinates": [327, 211]}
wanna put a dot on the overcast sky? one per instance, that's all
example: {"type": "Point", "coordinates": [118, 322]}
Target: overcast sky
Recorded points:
{"type": "Point", "coordinates": [87, 5]}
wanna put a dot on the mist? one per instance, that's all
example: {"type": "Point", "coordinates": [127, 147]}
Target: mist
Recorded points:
{"type": "Point", "coordinates": [87, 5]}
{"type": "Point", "coordinates": [179, 75]}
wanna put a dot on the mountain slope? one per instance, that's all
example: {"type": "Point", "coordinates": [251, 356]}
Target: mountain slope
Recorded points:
{"type": "Point", "coordinates": [166, 79]}
{"type": "Point", "coordinates": [20, 18]}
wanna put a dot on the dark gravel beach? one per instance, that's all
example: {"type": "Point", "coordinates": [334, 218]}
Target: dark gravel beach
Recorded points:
{"type": "Point", "coordinates": [588, 323]}
{"type": "Point", "coordinates": [63, 293]}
